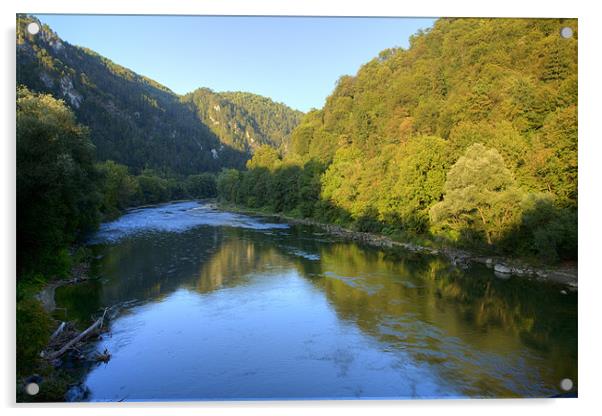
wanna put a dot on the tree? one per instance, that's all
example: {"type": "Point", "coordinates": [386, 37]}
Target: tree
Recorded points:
{"type": "Point", "coordinates": [153, 188]}
{"type": "Point", "coordinates": [228, 182]}
{"type": "Point", "coordinates": [264, 157]}
{"type": "Point", "coordinates": [559, 168]}
{"type": "Point", "coordinates": [119, 188]}
{"type": "Point", "coordinates": [203, 185]}
{"type": "Point", "coordinates": [421, 168]}
{"type": "Point", "coordinates": [480, 195]}
{"type": "Point", "coordinates": [57, 191]}
{"type": "Point", "coordinates": [339, 182]}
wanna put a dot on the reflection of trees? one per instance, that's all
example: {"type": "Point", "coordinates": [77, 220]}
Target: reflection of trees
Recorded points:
{"type": "Point", "coordinates": [438, 313]}
{"type": "Point", "coordinates": [389, 295]}
{"type": "Point", "coordinates": [235, 258]}
{"type": "Point", "coordinates": [152, 266]}
{"type": "Point", "coordinates": [78, 302]}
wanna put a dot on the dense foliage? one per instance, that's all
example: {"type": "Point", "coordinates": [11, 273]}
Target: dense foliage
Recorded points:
{"type": "Point", "coordinates": [121, 189]}
{"type": "Point", "coordinates": [469, 136]}
{"type": "Point", "coordinates": [57, 199]}
{"type": "Point", "coordinates": [243, 120]}
{"type": "Point", "coordinates": [57, 184]}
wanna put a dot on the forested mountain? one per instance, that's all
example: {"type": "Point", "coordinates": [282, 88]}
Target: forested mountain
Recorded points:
{"type": "Point", "coordinates": [244, 120]}
{"type": "Point", "coordinates": [138, 122]}
{"type": "Point", "coordinates": [469, 135]}
{"type": "Point", "coordinates": [133, 120]}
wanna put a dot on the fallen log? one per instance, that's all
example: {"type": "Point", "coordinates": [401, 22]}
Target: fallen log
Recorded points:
{"type": "Point", "coordinates": [81, 336]}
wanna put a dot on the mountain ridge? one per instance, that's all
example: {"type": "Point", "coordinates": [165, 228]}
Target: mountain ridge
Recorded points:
{"type": "Point", "coordinates": [134, 120]}
{"type": "Point", "coordinates": [245, 120]}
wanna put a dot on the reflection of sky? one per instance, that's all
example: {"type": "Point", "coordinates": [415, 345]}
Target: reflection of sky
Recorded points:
{"type": "Point", "coordinates": [276, 337]}
{"type": "Point", "coordinates": [175, 217]}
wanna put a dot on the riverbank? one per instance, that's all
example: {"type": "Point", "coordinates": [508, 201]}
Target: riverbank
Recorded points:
{"type": "Point", "coordinates": [502, 266]}
{"type": "Point", "coordinates": [61, 346]}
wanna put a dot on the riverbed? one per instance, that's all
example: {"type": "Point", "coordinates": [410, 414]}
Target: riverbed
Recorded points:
{"type": "Point", "coordinates": [226, 306]}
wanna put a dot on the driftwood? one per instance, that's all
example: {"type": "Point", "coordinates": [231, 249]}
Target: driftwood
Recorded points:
{"type": "Point", "coordinates": [96, 325]}
{"type": "Point", "coordinates": [58, 331]}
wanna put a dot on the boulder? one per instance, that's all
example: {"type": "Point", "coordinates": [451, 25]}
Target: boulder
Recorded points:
{"type": "Point", "coordinates": [500, 268]}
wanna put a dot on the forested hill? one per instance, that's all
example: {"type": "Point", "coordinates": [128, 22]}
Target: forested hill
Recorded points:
{"type": "Point", "coordinates": [469, 135]}
{"type": "Point", "coordinates": [244, 120]}
{"type": "Point", "coordinates": [140, 123]}
{"type": "Point", "coordinates": [464, 79]}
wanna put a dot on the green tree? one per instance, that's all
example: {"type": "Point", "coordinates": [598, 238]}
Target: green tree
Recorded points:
{"type": "Point", "coordinates": [558, 170]}
{"type": "Point", "coordinates": [153, 188]}
{"type": "Point", "coordinates": [480, 196]}
{"type": "Point", "coordinates": [203, 185]}
{"type": "Point", "coordinates": [264, 157]}
{"type": "Point", "coordinates": [120, 189]}
{"type": "Point", "coordinates": [57, 193]}
{"type": "Point", "coordinates": [546, 230]}
{"type": "Point", "coordinates": [421, 168]}
{"type": "Point", "coordinates": [228, 185]}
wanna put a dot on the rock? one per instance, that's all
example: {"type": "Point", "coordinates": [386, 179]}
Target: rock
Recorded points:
{"type": "Point", "coordinates": [500, 268]}
{"type": "Point", "coordinates": [75, 98]}
{"type": "Point", "coordinates": [518, 271]}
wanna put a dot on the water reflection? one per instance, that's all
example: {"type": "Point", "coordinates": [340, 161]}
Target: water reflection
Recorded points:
{"type": "Point", "coordinates": [492, 337]}
{"type": "Point", "coordinates": [319, 317]}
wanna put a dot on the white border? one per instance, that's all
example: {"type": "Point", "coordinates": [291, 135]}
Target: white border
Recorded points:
{"type": "Point", "coordinates": [590, 158]}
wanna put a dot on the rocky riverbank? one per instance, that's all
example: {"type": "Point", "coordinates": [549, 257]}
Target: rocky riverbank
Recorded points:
{"type": "Point", "coordinates": [503, 267]}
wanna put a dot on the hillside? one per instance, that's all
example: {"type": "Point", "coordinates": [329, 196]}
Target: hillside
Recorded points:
{"type": "Point", "coordinates": [244, 120]}
{"type": "Point", "coordinates": [469, 135]}
{"type": "Point", "coordinates": [140, 123]}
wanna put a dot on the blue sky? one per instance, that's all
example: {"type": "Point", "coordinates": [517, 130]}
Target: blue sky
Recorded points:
{"type": "Point", "coordinates": [295, 60]}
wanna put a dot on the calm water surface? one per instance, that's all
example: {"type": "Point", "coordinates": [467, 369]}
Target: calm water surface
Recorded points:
{"type": "Point", "coordinates": [227, 306]}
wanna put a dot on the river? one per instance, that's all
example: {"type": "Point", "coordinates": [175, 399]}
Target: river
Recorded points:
{"type": "Point", "coordinates": [224, 306]}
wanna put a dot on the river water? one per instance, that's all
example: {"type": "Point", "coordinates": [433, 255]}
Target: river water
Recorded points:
{"type": "Point", "coordinates": [227, 306]}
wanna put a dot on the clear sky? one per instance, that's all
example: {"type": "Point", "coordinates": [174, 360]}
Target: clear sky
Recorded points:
{"type": "Point", "coordinates": [294, 60]}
